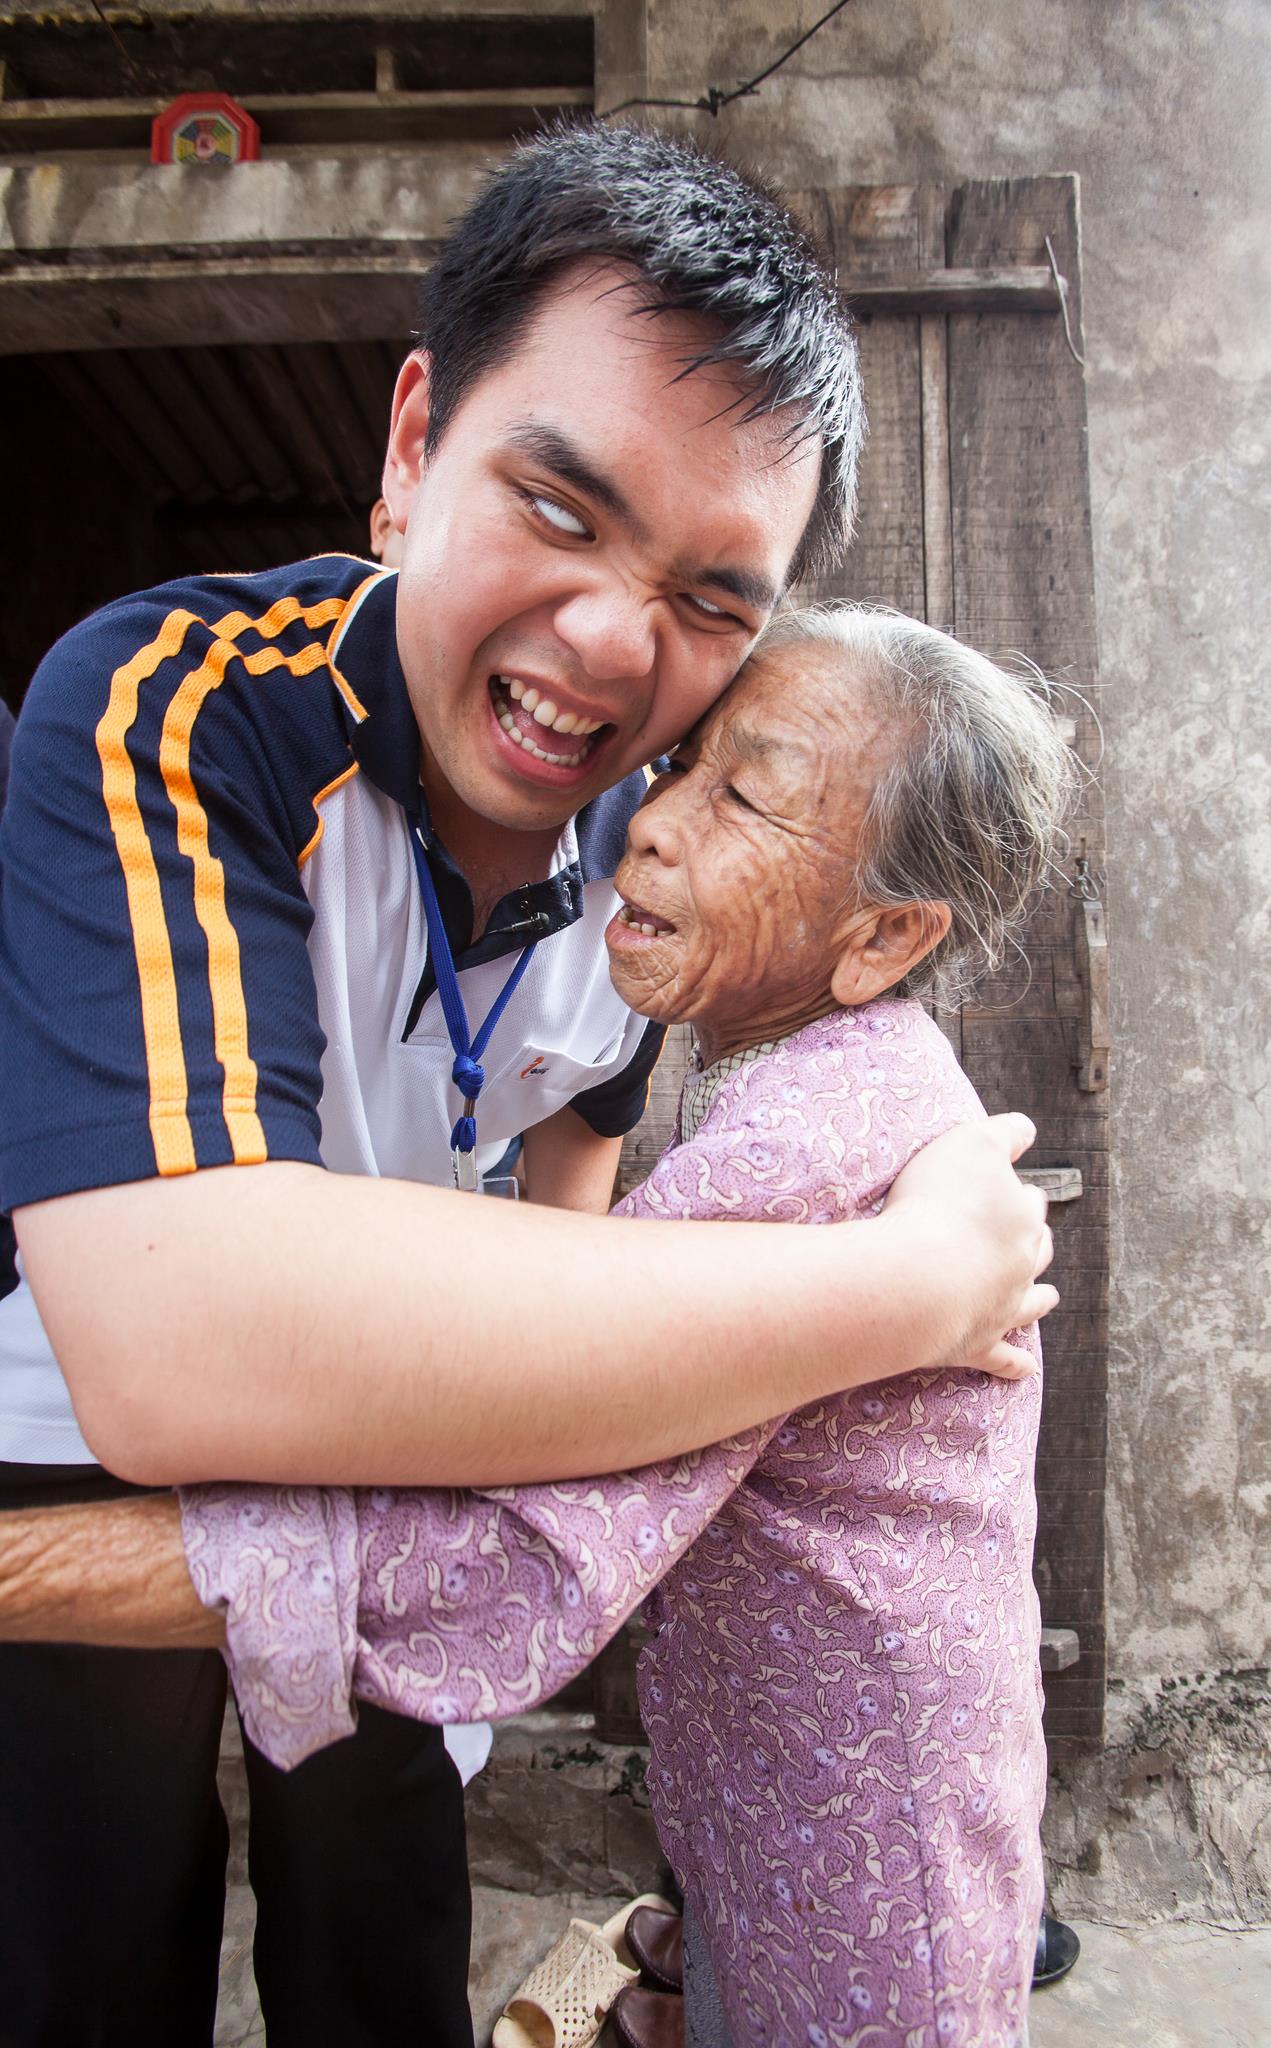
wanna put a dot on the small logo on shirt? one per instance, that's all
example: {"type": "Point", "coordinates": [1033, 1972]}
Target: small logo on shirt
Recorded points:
{"type": "Point", "coordinates": [534, 1069]}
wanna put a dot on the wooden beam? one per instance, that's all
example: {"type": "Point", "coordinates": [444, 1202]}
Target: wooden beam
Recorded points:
{"type": "Point", "coordinates": [491, 114]}
{"type": "Point", "coordinates": [1023, 580]}
{"type": "Point", "coordinates": [1023, 288]}
{"type": "Point", "coordinates": [336, 293]}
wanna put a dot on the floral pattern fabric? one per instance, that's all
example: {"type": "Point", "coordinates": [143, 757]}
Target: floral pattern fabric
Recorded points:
{"type": "Point", "coordinates": [842, 1695]}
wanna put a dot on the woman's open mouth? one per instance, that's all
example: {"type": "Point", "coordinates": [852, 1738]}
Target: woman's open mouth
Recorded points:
{"type": "Point", "coordinates": [543, 729]}
{"type": "Point", "coordinates": [635, 919]}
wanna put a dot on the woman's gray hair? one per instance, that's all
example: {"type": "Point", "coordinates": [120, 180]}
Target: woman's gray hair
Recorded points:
{"type": "Point", "coordinates": [971, 811]}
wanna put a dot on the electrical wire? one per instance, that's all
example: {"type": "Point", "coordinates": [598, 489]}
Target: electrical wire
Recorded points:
{"type": "Point", "coordinates": [715, 98]}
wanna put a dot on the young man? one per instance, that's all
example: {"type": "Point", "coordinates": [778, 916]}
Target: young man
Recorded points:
{"type": "Point", "coordinates": [250, 820]}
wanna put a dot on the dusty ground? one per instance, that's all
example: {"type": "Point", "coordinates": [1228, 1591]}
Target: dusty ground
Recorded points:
{"type": "Point", "coordinates": [1166, 1986]}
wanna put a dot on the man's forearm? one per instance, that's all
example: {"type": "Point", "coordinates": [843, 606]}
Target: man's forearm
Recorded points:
{"type": "Point", "coordinates": [568, 1166]}
{"type": "Point", "coordinates": [279, 1323]}
{"type": "Point", "coordinates": [110, 1573]}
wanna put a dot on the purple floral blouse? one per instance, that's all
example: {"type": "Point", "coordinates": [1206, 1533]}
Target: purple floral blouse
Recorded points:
{"type": "Point", "coordinates": [842, 1695]}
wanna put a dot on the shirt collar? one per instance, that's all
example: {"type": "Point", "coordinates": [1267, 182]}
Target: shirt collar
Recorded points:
{"type": "Point", "coordinates": [702, 1084]}
{"type": "Point", "coordinates": [383, 735]}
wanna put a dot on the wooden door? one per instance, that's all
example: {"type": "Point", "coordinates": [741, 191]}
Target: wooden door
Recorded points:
{"type": "Point", "coordinates": [975, 515]}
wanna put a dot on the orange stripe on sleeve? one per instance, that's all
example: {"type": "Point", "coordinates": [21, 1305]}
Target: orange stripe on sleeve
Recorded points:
{"type": "Point", "coordinates": [170, 1131]}
{"type": "Point", "coordinates": [225, 971]}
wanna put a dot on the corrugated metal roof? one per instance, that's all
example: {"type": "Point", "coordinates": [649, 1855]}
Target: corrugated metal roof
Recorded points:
{"type": "Point", "coordinates": [253, 454]}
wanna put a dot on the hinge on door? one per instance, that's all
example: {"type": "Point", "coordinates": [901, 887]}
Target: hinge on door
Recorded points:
{"type": "Point", "coordinates": [1057, 1183]}
{"type": "Point", "coordinates": [1060, 1649]}
{"type": "Point", "coordinates": [1090, 938]}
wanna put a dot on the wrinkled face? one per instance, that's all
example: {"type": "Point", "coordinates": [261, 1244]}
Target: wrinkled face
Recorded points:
{"type": "Point", "coordinates": [742, 858]}
{"type": "Point", "coordinates": [589, 553]}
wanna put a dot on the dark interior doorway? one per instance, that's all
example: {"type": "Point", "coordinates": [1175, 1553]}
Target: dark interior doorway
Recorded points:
{"type": "Point", "coordinates": [126, 467]}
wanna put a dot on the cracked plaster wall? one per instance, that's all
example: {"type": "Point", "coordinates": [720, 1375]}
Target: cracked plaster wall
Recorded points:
{"type": "Point", "coordinates": [1161, 106]}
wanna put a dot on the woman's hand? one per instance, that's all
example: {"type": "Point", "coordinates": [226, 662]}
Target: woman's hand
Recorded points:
{"type": "Point", "coordinates": [982, 1238]}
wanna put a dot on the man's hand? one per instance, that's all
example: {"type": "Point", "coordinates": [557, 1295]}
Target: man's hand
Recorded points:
{"type": "Point", "coordinates": [112, 1572]}
{"type": "Point", "coordinates": [982, 1238]}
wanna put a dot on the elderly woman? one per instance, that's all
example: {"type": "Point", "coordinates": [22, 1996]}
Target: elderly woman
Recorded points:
{"type": "Point", "coordinates": [842, 1694]}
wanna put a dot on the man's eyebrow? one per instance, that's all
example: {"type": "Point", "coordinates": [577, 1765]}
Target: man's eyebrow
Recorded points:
{"type": "Point", "coordinates": [566, 460]}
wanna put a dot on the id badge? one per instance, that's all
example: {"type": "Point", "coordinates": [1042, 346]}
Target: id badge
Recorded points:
{"type": "Point", "coordinates": [467, 1179]}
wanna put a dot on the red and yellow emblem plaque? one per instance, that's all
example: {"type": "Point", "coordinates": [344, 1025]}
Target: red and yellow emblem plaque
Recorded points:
{"type": "Point", "coordinates": [204, 128]}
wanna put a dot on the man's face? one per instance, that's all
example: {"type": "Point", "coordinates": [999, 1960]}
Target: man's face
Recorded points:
{"type": "Point", "coordinates": [589, 553]}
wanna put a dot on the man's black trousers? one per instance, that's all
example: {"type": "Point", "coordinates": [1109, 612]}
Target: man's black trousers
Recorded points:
{"type": "Point", "coordinates": [113, 1848]}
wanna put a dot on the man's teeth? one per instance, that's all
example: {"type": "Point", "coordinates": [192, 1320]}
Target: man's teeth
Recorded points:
{"type": "Point", "coordinates": [544, 711]}
{"type": "Point", "coordinates": [508, 723]}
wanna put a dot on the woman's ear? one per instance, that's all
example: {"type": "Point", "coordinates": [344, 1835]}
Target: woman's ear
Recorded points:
{"type": "Point", "coordinates": [881, 946]}
{"type": "Point", "coordinates": [407, 434]}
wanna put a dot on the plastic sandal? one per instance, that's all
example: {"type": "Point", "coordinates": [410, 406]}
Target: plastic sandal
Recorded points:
{"type": "Point", "coordinates": [563, 2002]}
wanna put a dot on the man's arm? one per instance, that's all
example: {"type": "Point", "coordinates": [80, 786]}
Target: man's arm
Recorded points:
{"type": "Point", "coordinates": [281, 1323]}
{"type": "Point", "coordinates": [570, 1166]}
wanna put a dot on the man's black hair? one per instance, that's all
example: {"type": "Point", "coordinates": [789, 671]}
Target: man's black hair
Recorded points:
{"type": "Point", "coordinates": [703, 239]}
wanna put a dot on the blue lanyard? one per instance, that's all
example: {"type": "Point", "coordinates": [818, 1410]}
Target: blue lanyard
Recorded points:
{"type": "Point", "coordinates": [467, 1073]}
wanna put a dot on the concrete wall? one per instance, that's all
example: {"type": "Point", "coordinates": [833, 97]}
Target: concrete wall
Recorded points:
{"type": "Point", "coordinates": [1162, 109]}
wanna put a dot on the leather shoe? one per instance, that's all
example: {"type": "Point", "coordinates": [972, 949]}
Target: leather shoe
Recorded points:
{"type": "Point", "coordinates": [1057, 1951]}
{"type": "Point", "coordinates": [647, 2019]}
{"type": "Point", "coordinates": [656, 1941]}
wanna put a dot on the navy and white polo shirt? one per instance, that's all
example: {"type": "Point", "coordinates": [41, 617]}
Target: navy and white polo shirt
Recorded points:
{"type": "Point", "coordinates": [212, 943]}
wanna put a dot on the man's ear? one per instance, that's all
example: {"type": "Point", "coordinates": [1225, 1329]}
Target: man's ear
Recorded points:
{"type": "Point", "coordinates": [407, 433]}
{"type": "Point", "coordinates": [880, 947]}
{"type": "Point", "coordinates": [383, 531]}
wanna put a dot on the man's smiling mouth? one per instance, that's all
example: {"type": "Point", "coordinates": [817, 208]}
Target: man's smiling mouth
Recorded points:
{"type": "Point", "coordinates": [531, 719]}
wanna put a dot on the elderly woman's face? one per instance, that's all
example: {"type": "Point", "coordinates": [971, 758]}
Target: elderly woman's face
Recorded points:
{"type": "Point", "coordinates": [741, 858]}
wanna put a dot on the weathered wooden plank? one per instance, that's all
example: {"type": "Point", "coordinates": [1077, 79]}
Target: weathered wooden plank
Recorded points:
{"type": "Point", "coordinates": [933, 354]}
{"type": "Point", "coordinates": [652, 1134]}
{"type": "Point", "coordinates": [1023, 585]}
{"type": "Point", "coordinates": [875, 231]}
